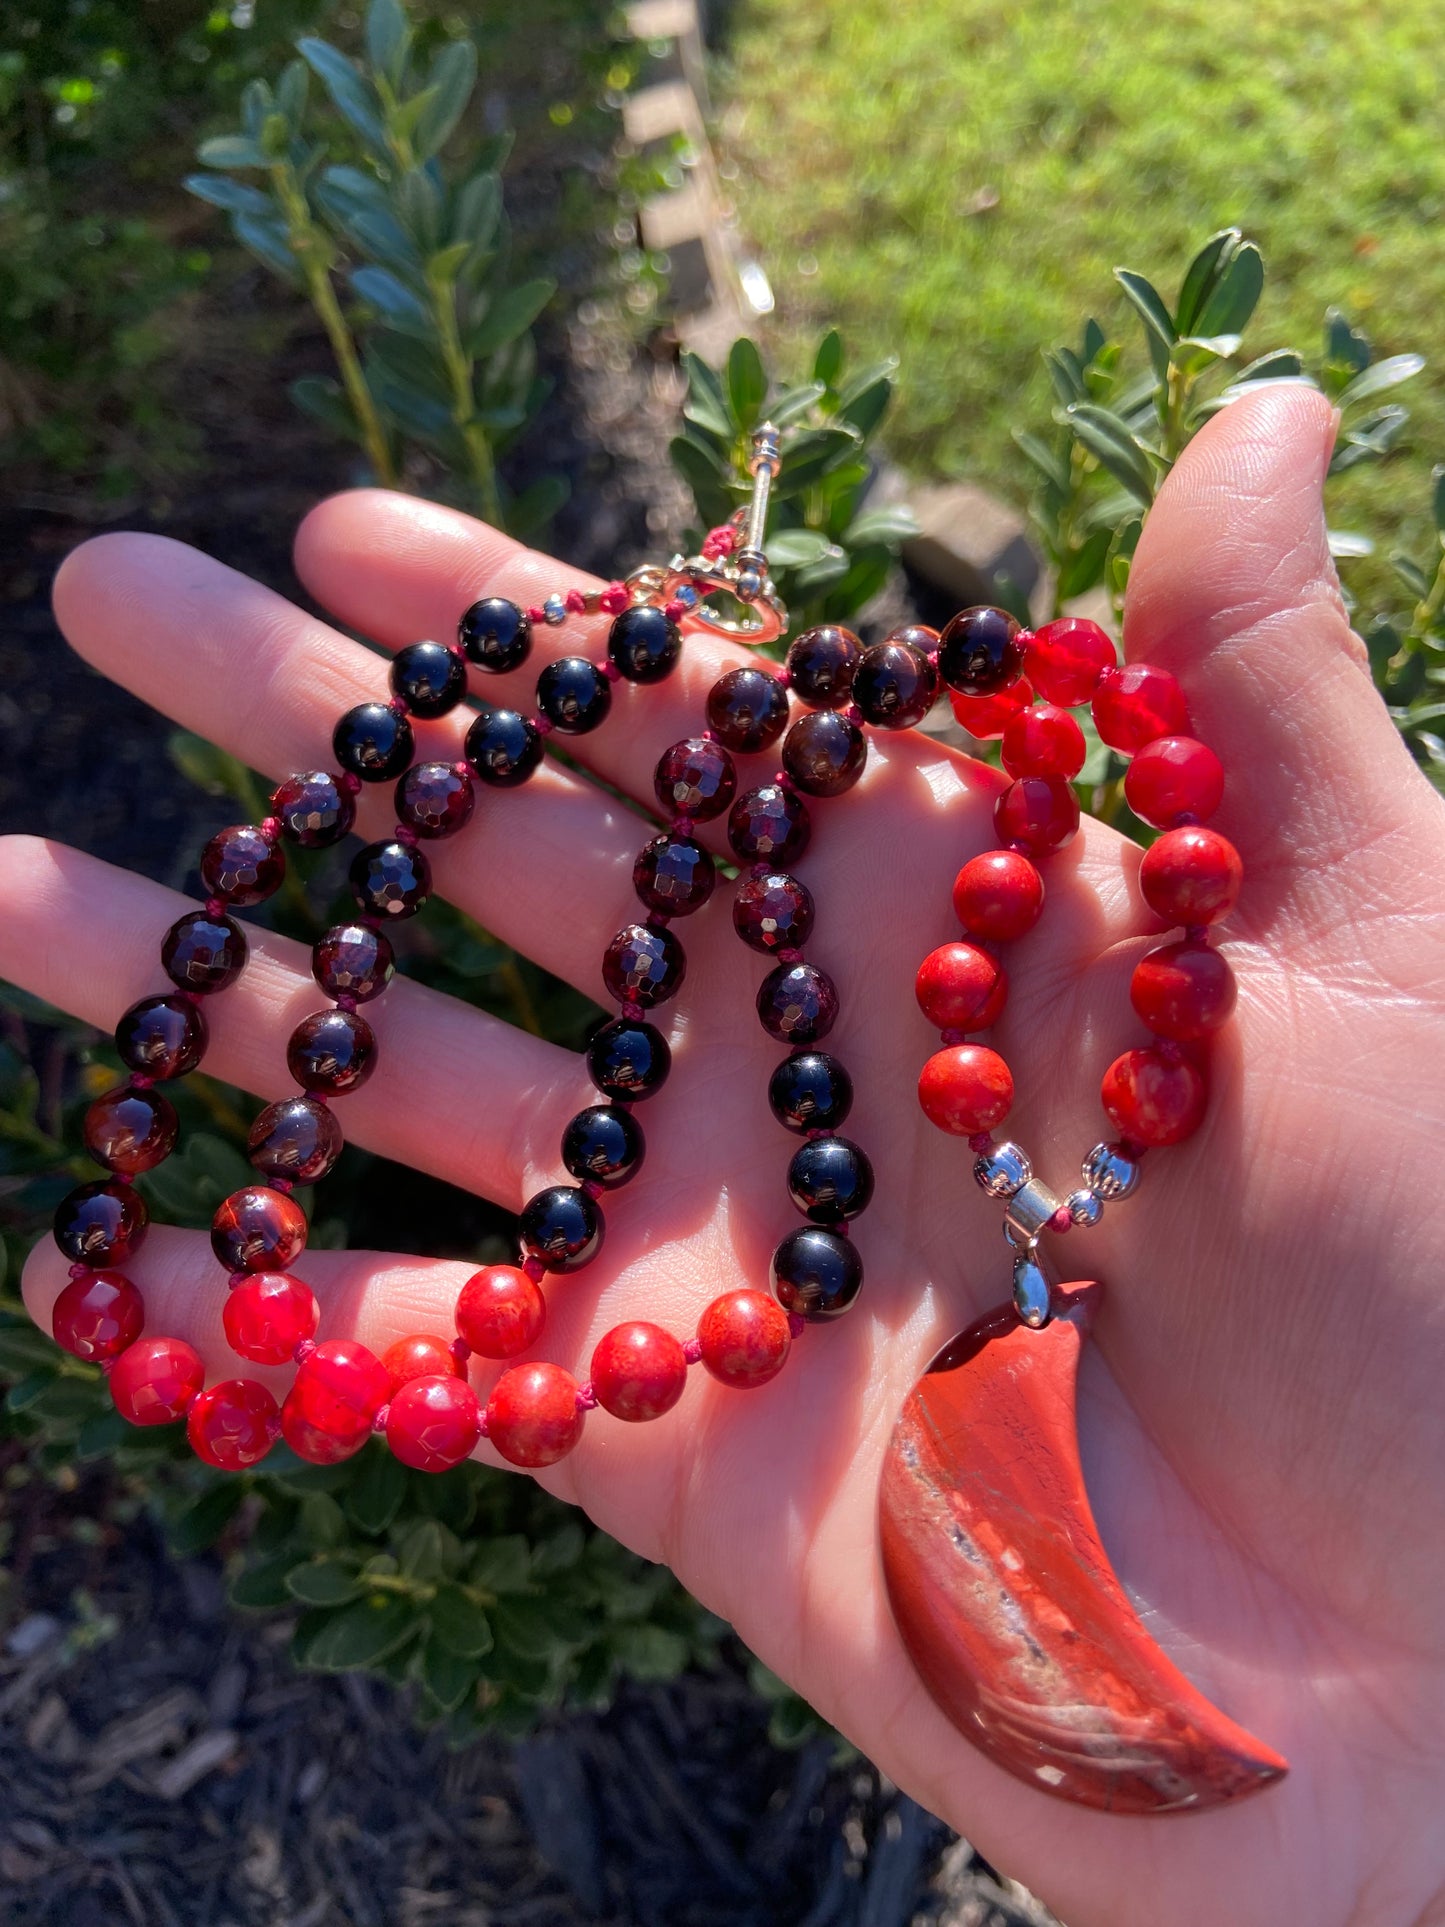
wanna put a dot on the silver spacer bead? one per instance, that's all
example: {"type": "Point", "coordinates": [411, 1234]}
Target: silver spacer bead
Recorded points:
{"type": "Point", "coordinates": [1109, 1174]}
{"type": "Point", "coordinates": [1084, 1208]}
{"type": "Point", "coordinates": [1002, 1171]}
{"type": "Point", "coordinates": [1027, 1213]}
{"type": "Point", "coordinates": [554, 610]}
{"type": "Point", "coordinates": [1031, 1291]}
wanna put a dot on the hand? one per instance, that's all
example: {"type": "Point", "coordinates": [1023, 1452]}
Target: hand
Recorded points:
{"type": "Point", "coordinates": [1261, 1414]}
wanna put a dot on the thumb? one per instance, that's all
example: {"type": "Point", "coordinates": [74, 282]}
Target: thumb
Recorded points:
{"type": "Point", "coordinates": [1234, 590]}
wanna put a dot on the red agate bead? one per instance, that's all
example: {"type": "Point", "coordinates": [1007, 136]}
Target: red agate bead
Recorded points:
{"type": "Point", "coordinates": [1183, 990]}
{"type": "Point", "coordinates": [338, 1390]}
{"type": "Point", "coordinates": [1191, 876]}
{"type": "Point", "coordinates": [533, 1417]}
{"type": "Point", "coordinates": [233, 1424]}
{"type": "Point", "coordinates": [98, 1315]}
{"type": "Point", "coordinates": [960, 987]}
{"type": "Point", "coordinates": [154, 1381]}
{"type": "Point", "coordinates": [638, 1370]}
{"type": "Point", "coordinates": [1043, 740]}
{"type": "Point", "coordinates": [433, 1423]}
{"type": "Point", "coordinates": [1173, 777]}
{"type": "Point", "coordinates": [1040, 813]}
{"type": "Point", "coordinates": [987, 717]}
{"type": "Point", "coordinates": [966, 1088]}
{"type": "Point", "coordinates": [267, 1316]}
{"type": "Point", "coordinates": [258, 1229]}
{"type": "Point", "coordinates": [744, 1338]}
{"type": "Point", "coordinates": [421, 1355]}
{"type": "Point", "coordinates": [1136, 704]}
{"type": "Point", "coordinates": [500, 1312]}
{"type": "Point", "coordinates": [1065, 659]}
{"type": "Point", "coordinates": [1154, 1096]}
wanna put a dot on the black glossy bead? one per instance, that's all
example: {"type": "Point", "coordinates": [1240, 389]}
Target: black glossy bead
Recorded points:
{"type": "Point", "coordinates": [429, 677]}
{"type": "Point", "coordinates": [628, 1059]}
{"type": "Point", "coordinates": [604, 1144]}
{"type": "Point", "coordinates": [204, 953]}
{"type": "Point", "coordinates": [299, 1139]}
{"type": "Point", "coordinates": [979, 652]}
{"type": "Point", "coordinates": [830, 1179]}
{"type": "Point", "coordinates": [769, 825]}
{"type": "Point", "coordinates": [101, 1223]}
{"type": "Point", "coordinates": [390, 879]}
{"type": "Point", "coordinates": [695, 778]}
{"type": "Point", "coordinates": [643, 966]}
{"type": "Point", "coordinates": [563, 1227]}
{"type": "Point", "coordinates": [821, 663]}
{"type": "Point", "coordinates": [574, 695]}
{"type": "Point", "coordinates": [352, 960]}
{"type": "Point", "coordinates": [495, 634]}
{"type": "Point", "coordinates": [314, 809]}
{"type": "Point", "coordinates": [435, 799]}
{"type": "Point", "coordinates": [773, 912]}
{"type": "Point", "coordinates": [161, 1037]}
{"type": "Point", "coordinates": [333, 1051]}
{"type": "Point", "coordinates": [645, 643]}
{"type": "Point", "coordinates": [673, 876]}
{"type": "Point", "coordinates": [503, 748]}
{"type": "Point", "coordinates": [374, 742]}
{"type": "Point", "coordinates": [895, 685]}
{"type": "Point", "coordinates": [797, 1003]}
{"type": "Point", "coordinates": [810, 1091]}
{"type": "Point", "coordinates": [816, 1273]}
{"type": "Point", "coordinates": [824, 753]}
{"type": "Point", "coordinates": [747, 709]}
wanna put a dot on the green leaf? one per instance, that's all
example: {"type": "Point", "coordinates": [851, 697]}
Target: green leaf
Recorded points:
{"type": "Point", "coordinates": [230, 150]}
{"type": "Point", "coordinates": [1437, 496]}
{"type": "Point", "coordinates": [1231, 301]}
{"type": "Point", "coordinates": [446, 263]}
{"type": "Point", "coordinates": [1109, 441]}
{"type": "Point", "coordinates": [1347, 346]}
{"type": "Point", "coordinates": [353, 97]}
{"type": "Point", "coordinates": [649, 1652]}
{"type": "Point", "coordinates": [796, 548]}
{"type": "Point", "coordinates": [1149, 305]}
{"type": "Point", "coordinates": [263, 1586]}
{"type": "Point", "coordinates": [1278, 364]}
{"type": "Point", "coordinates": [700, 471]}
{"type": "Point", "coordinates": [324, 400]}
{"type": "Point", "coordinates": [510, 314]}
{"type": "Point", "coordinates": [364, 1634]}
{"type": "Point", "coordinates": [1066, 374]}
{"type": "Point", "coordinates": [866, 409]}
{"type": "Point", "coordinates": [890, 526]}
{"type": "Point", "coordinates": [747, 383]}
{"type": "Point", "coordinates": [100, 1435]}
{"type": "Point", "coordinates": [214, 770]}
{"type": "Point", "coordinates": [1412, 575]}
{"type": "Point", "coordinates": [828, 361]}
{"type": "Point", "coordinates": [449, 82]}
{"type": "Point", "coordinates": [324, 1582]}
{"type": "Point", "coordinates": [25, 1348]}
{"type": "Point", "coordinates": [446, 1676]}
{"type": "Point", "coordinates": [388, 36]}
{"type": "Point", "coordinates": [421, 1550]}
{"type": "Point", "coordinates": [321, 1523]}
{"type": "Point", "coordinates": [1051, 464]}
{"type": "Point", "coordinates": [809, 456]}
{"type": "Point", "coordinates": [1200, 278]}
{"type": "Point", "coordinates": [395, 304]}
{"type": "Point", "coordinates": [374, 230]}
{"type": "Point", "coordinates": [459, 1623]}
{"type": "Point", "coordinates": [291, 92]}
{"type": "Point", "coordinates": [1344, 544]}
{"type": "Point", "coordinates": [203, 1522]}
{"type": "Point", "coordinates": [352, 186]}
{"type": "Point", "coordinates": [795, 402]}
{"type": "Point", "coordinates": [220, 191]}
{"type": "Point", "coordinates": [478, 210]}
{"type": "Point", "coordinates": [529, 513]}
{"type": "Point", "coordinates": [256, 104]}
{"type": "Point", "coordinates": [502, 1565]}
{"type": "Point", "coordinates": [266, 238]}
{"type": "Point", "coordinates": [1082, 568]}
{"type": "Point", "coordinates": [1379, 377]}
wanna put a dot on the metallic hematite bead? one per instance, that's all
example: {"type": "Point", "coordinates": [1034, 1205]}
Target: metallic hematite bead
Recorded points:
{"type": "Point", "coordinates": [1109, 1174]}
{"type": "Point", "coordinates": [1027, 1212]}
{"type": "Point", "coordinates": [1084, 1208]}
{"type": "Point", "coordinates": [554, 609]}
{"type": "Point", "coordinates": [1002, 1171]}
{"type": "Point", "coordinates": [1031, 1291]}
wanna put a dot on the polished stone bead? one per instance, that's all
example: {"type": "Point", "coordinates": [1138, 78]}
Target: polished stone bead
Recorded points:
{"type": "Point", "coordinates": [574, 695]}
{"type": "Point", "coordinates": [390, 879]}
{"type": "Point", "coordinates": [533, 1418]}
{"type": "Point", "coordinates": [129, 1131]}
{"type": "Point", "coordinates": [745, 1338]}
{"type": "Point", "coordinates": [773, 912]}
{"type": "Point", "coordinates": [643, 966]}
{"type": "Point", "coordinates": [824, 753]}
{"type": "Point", "coordinates": [268, 1315]}
{"type": "Point", "coordinates": [314, 809]}
{"type": "Point", "coordinates": [503, 748]}
{"type": "Point", "coordinates": [695, 778]}
{"type": "Point", "coordinates": [1137, 703]}
{"type": "Point", "coordinates": [644, 643]}
{"type": "Point", "coordinates": [810, 1091]}
{"type": "Point", "coordinates": [1174, 777]}
{"type": "Point", "coordinates": [563, 1227]}
{"type": "Point", "coordinates": [830, 1179]}
{"type": "Point", "coordinates": [500, 1312]}
{"type": "Point", "coordinates": [332, 1051]}
{"type": "Point", "coordinates": [895, 683]}
{"type": "Point", "coordinates": [769, 824]}
{"type": "Point", "coordinates": [338, 1390]}
{"type": "Point", "coordinates": [154, 1381]}
{"type": "Point", "coordinates": [353, 960]}
{"type": "Point", "coordinates": [419, 1355]}
{"type": "Point", "coordinates": [433, 1423]}
{"type": "Point", "coordinates": [673, 876]}
{"type": "Point", "coordinates": [603, 1144]}
{"type": "Point", "coordinates": [821, 666]}
{"type": "Point", "coordinates": [258, 1229]}
{"type": "Point", "coordinates": [1038, 813]}
{"type": "Point", "coordinates": [1183, 990]}
{"type": "Point", "coordinates": [233, 1425]}
{"type": "Point", "coordinates": [242, 866]}
{"type": "Point", "coordinates": [747, 709]}
{"type": "Point", "coordinates": [639, 1371]}
{"type": "Point", "coordinates": [816, 1273]}
{"type": "Point", "coordinates": [1154, 1097]}
{"type": "Point", "coordinates": [1065, 659]}
{"type": "Point", "coordinates": [628, 1060]}
{"type": "Point", "coordinates": [979, 652]}
{"type": "Point", "coordinates": [960, 986]}
{"type": "Point", "coordinates": [965, 1088]}
{"type": "Point", "coordinates": [98, 1315]}
{"type": "Point", "coordinates": [998, 895]}
{"type": "Point", "coordinates": [1191, 875]}
{"type": "Point", "coordinates": [797, 1003]}
{"type": "Point", "coordinates": [495, 634]}
{"type": "Point", "coordinates": [298, 1138]}
{"type": "Point", "coordinates": [161, 1037]}
{"type": "Point", "coordinates": [435, 799]}
{"type": "Point", "coordinates": [101, 1224]}
{"type": "Point", "coordinates": [1043, 740]}
{"type": "Point", "coordinates": [429, 677]}
{"type": "Point", "coordinates": [373, 742]}
{"type": "Point", "coordinates": [203, 953]}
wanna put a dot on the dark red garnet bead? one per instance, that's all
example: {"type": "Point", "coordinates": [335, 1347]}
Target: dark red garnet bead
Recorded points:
{"type": "Point", "coordinates": [824, 753]}
{"type": "Point", "coordinates": [242, 866]}
{"type": "Point", "coordinates": [797, 1003]}
{"type": "Point", "coordinates": [203, 953]}
{"type": "Point", "coordinates": [98, 1315]}
{"type": "Point", "coordinates": [643, 966]}
{"type": "Point", "coordinates": [495, 634]}
{"type": "Point", "coordinates": [161, 1037]}
{"type": "Point", "coordinates": [435, 799]}
{"type": "Point", "coordinates": [562, 1227]}
{"type": "Point", "coordinates": [821, 666]}
{"type": "Point", "coordinates": [769, 825]}
{"type": "Point", "coordinates": [101, 1224]}
{"type": "Point", "coordinates": [258, 1229]}
{"type": "Point", "coordinates": [353, 960]}
{"type": "Point", "coordinates": [773, 912]}
{"type": "Point", "coordinates": [390, 879]}
{"type": "Point", "coordinates": [129, 1131]}
{"type": "Point", "coordinates": [299, 1139]}
{"type": "Point", "coordinates": [644, 643]}
{"type": "Point", "coordinates": [429, 677]}
{"type": "Point", "coordinates": [314, 809]}
{"type": "Point", "coordinates": [695, 778]}
{"type": "Point", "coordinates": [503, 748]}
{"type": "Point", "coordinates": [673, 876]}
{"type": "Point", "coordinates": [747, 709]}
{"type": "Point", "coordinates": [332, 1051]}
{"type": "Point", "coordinates": [979, 652]}
{"type": "Point", "coordinates": [374, 742]}
{"type": "Point", "coordinates": [895, 683]}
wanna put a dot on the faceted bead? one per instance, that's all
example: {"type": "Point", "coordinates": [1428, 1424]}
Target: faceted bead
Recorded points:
{"type": "Point", "coordinates": [98, 1315]}
{"type": "Point", "coordinates": [745, 1338]}
{"type": "Point", "coordinates": [429, 677]}
{"type": "Point", "coordinates": [503, 748]}
{"type": "Point", "coordinates": [769, 824]}
{"type": "Point", "coordinates": [233, 1424]}
{"type": "Point", "coordinates": [390, 879]}
{"type": "Point", "coordinates": [1191, 875]}
{"type": "Point", "coordinates": [1043, 740]}
{"type": "Point", "coordinates": [829, 1179]}
{"type": "Point", "coordinates": [353, 960]}
{"type": "Point", "coordinates": [242, 866]}
{"type": "Point", "coordinates": [338, 1390]}
{"type": "Point", "coordinates": [979, 652]}
{"type": "Point", "coordinates": [154, 1381]}
{"type": "Point", "coordinates": [101, 1224]}
{"type": "Point", "coordinates": [824, 753]}
{"type": "Point", "coordinates": [810, 1091]}
{"type": "Point", "coordinates": [500, 1312]}
{"type": "Point", "coordinates": [998, 895]}
{"type": "Point", "coordinates": [821, 664]}
{"type": "Point", "coordinates": [420, 1355]}
{"type": "Point", "coordinates": [203, 953]}
{"type": "Point", "coordinates": [433, 1423]}
{"type": "Point", "coordinates": [314, 809]}
{"type": "Point", "coordinates": [643, 966]}
{"type": "Point", "coordinates": [130, 1131]}
{"type": "Point", "coordinates": [563, 1227]}
{"type": "Point", "coordinates": [797, 1003]}
{"type": "Point", "coordinates": [895, 684]}
{"type": "Point", "coordinates": [1065, 659]}
{"type": "Point", "coordinates": [495, 634]}
{"type": "Point", "coordinates": [298, 1138]}
{"type": "Point", "coordinates": [1183, 990]}
{"type": "Point", "coordinates": [332, 1051]}
{"type": "Point", "coordinates": [639, 1371]}
{"type": "Point", "coordinates": [644, 643]}
{"type": "Point", "coordinates": [960, 987]}
{"type": "Point", "coordinates": [628, 1060]}
{"type": "Point", "coordinates": [965, 1089]}
{"type": "Point", "coordinates": [1154, 1096]}
{"type": "Point", "coordinates": [603, 1144]}
{"type": "Point", "coordinates": [816, 1273]}
{"type": "Point", "coordinates": [533, 1418]}
{"type": "Point", "coordinates": [1040, 813]}
{"type": "Point", "coordinates": [987, 717]}
{"type": "Point", "coordinates": [695, 778]}
{"type": "Point", "coordinates": [773, 912]}
{"type": "Point", "coordinates": [574, 695]}
{"type": "Point", "coordinates": [374, 742]}
{"type": "Point", "coordinates": [161, 1037]}
{"type": "Point", "coordinates": [747, 709]}
{"type": "Point", "coordinates": [435, 799]}
{"type": "Point", "coordinates": [673, 876]}
{"type": "Point", "coordinates": [258, 1229]}
{"type": "Point", "coordinates": [1136, 704]}
{"type": "Point", "coordinates": [1172, 777]}
{"type": "Point", "coordinates": [268, 1316]}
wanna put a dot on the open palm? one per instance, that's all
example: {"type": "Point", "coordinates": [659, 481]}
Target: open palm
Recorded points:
{"type": "Point", "coordinates": [1261, 1414]}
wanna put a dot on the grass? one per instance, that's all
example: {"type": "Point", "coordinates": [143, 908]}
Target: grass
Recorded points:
{"type": "Point", "coordinates": [953, 182]}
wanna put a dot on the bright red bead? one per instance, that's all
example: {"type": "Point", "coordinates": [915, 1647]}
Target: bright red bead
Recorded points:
{"type": "Point", "coordinates": [1136, 704]}
{"type": "Point", "coordinates": [233, 1424]}
{"type": "Point", "coordinates": [1039, 812]}
{"type": "Point", "coordinates": [1154, 1097]}
{"type": "Point", "coordinates": [1173, 777]}
{"type": "Point", "coordinates": [1065, 659]}
{"type": "Point", "coordinates": [1191, 875]}
{"type": "Point", "coordinates": [421, 1355]}
{"type": "Point", "coordinates": [258, 1229]}
{"type": "Point", "coordinates": [154, 1381]}
{"type": "Point", "coordinates": [745, 1338]}
{"type": "Point", "coordinates": [1183, 990]}
{"type": "Point", "coordinates": [268, 1316]}
{"type": "Point", "coordinates": [960, 987]}
{"type": "Point", "coordinates": [1043, 740]}
{"type": "Point", "coordinates": [533, 1417]}
{"type": "Point", "coordinates": [986, 717]}
{"type": "Point", "coordinates": [966, 1088]}
{"type": "Point", "coordinates": [638, 1370]}
{"type": "Point", "coordinates": [338, 1390]}
{"type": "Point", "coordinates": [998, 895]}
{"type": "Point", "coordinates": [500, 1312]}
{"type": "Point", "coordinates": [433, 1423]}
{"type": "Point", "coordinates": [98, 1316]}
